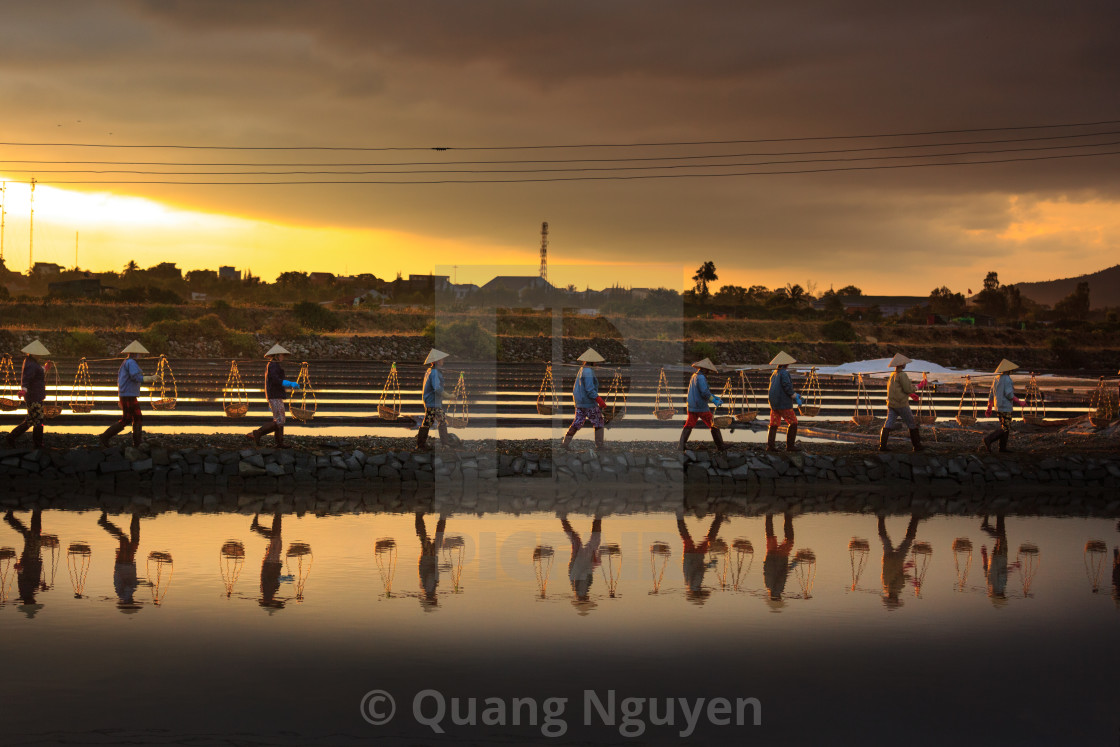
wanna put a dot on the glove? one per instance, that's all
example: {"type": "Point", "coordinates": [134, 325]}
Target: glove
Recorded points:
{"type": "Point", "coordinates": [601, 402]}
{"type": "Point", "coordinates": [22, 393]}
{"type": "Point", "coordinates": [290, 384]}
{"type": "Point", "coordinates": [1017, 401]}
{"type": "Point", "coordinates": [47, 366]}
{"type": "Point", "coordinates": [915, 397]}
{"type": "Point", "coordinates": [717, 401]}
{"type": "Point", "coordinates": [797, 399]}
{"type": "Point", "coordinates": [148, 379]}
{"type": "Point", "coordinates": [922, 383]}
{"type": "Point", "coordinates": [988, 412]}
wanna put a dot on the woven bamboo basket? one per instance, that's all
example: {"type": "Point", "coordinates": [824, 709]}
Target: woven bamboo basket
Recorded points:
{"type": "Point", "coordinates": [52, 411]}
{"type": "Point", "coordinates": [966, 420]}
{"type": "Point", "coordinates": [1099, 421]}
{"type": "Point", "coordinates": [303, 414]}
{"type": "Point", "coordinates": [665, 413]}
{"type": "Point", "coordinates": [1034, 420]}
{"type": "Point", "coordinates": [863, 419]}
{"type": "Point", "coordinates": [747, 417]}
{"type": "Point", "coordinates": [810, 411]}
{"type": "Point", "coordinates": [543, 409]}
{"type": "Point", "coordinates": [387, 413]}
{"type": "Point", "coordinates": [456, 422]}
{"type": "Point", "coordinates": [926, 419]}
{"type": "Point", "coordinates": [611, 413]}
{"type": "Point", "coordinates": [7, 404]}
{"type": "Point", "coordinates": [723, 421]}
{"type": "Point", "coordinates": [236, 409]}
{"type": "Point", "coordinates": [166, 403]}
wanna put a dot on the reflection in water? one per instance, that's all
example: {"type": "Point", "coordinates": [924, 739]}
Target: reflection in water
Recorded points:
{"type": "Point", "coordinates": [231, 559]}
{"type": "Point", "coordinates": [124, 570]}
{"type": "Point", "coordinates": [611, 566]}
{"type": "Point", "coordinates": [894, 561]}
{"type": "Point", "coordinates": [1027, 562]}
{"type": "Point", "coordinates": [542, 565]}
{"type": "Point", "coordinates": [160, 568]}
{"type": "Point", "coordinates": [29, 569]}
{"type": "Point", "coordinates": [7, 555]}
{"type": "Point", "coordinates": [1095, 552]}
{"type": "Point", "coordinates": [859, 550]}
{"type": "Point", "coordinates": [693, 563]}
{"type": "Point", "coordinates": [50, 545]}
{"type": "Point", "coordinates": [659, 554]}
{"type": "Point", "coordinates": [428, 564]}
{"type": "Point", "coordinates": [962, 561]}
{"type": "Point", "coordinates": [920, 556]}
{"type": "Point", "coordinates": [270, 564]}
{"type": "Point", "coordinates": [453, 561]}
{"type": "Point", "coordinates": [805, 563]}
{"type": "Point", "coordinates": [385, 555]}
{"type": "Point", "coordinates": [996, 567]}
{"type": "Point", "coordinates": [1116, 575]}
{"type": "Point", "coordinates": [744, 559]}
{"type": "Point", "coordinates": [78, 557]}
{"type": "Point", "coordinates": [585, 558]}
{"type": "Point", "coordinates": [776, 565]}
{"type": "Point", "coordinates": [299, 554]}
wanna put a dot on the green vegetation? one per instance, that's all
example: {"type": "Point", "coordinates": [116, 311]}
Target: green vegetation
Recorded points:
{"type": "Point", "coordinates": [313, 316]}
{"type": "Point", "coordinates": [839, 330]}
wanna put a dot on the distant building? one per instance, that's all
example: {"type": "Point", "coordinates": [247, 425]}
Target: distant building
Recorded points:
{"type": "Point", "coordinates": [199, 297]}
{"type": "Point", "coordinates": [519, 284]}
{"type": "Point", "coordinates": [80, 288]}
{"type": "Point", "coordinates": [229, 273]}
{"type": "Point", "coordinates": [427, 283]}
{"type": "Point", "coordinates": [888, 305]}
{"type": "Point", "coordinates": [320, 278]}
{"type": "Point", "coordinates": [46, 268]}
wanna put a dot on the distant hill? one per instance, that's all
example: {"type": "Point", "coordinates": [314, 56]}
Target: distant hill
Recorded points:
{"type": "Point", "coordinates": [1104, 288]}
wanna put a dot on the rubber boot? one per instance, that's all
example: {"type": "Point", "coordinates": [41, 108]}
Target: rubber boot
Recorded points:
{"type": "Point", "coordinates": [37, 436]}
{"type": "Point", "coordinates": [989, 440]}
{"type": "Point", "coordinates": [279, 430]}
{"type": "Point", "coordinates": [1004, 437]}
{"type": "Point", "coordinates": [137, 435]}
{"type": "Point", "coordinates": [771, 434]}
{"type": "Point", "coordinates": [791, 438]}
{"type": "Point", "coordinates": [111, 431]}
{"type": "Point", "coordinates": [916, 439]}
{"type": "Point", "coordinates": [884, 434]}
{"type": "Point", "coordinates": [16, 433]}
{"type": "Point", "coordinates": [422, 439]}
{"type": "Point", "coordinates": [599, 440]}
{"type": "Point", "coordinates": [718, 438]}
{"type": "Point", "coordinates": [685, 433]}
{"type": "Point", "coordinates": [255, 436]}
{"type": "Point", "coordinates": [444, 439]}
{"type": "Point", "coordinates": [566, 442]}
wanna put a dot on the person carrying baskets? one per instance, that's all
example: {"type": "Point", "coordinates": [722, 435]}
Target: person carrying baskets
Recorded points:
{"type": "Point", "coordinates": [699, 394]}
{"type": "Point", "coordinates": [433, 402]}
{"type": "Point", "coordinates": [899, 391]}
{"type": "Point", "coordinates": [589, 405]}
{"type": "Point", "coordinates": [129, 379]}
{"type": "Point", "coordinates": [33, 390]}
{"type": "Point", "coordinates": [274, 386]}
{"type": "Point", "coordinates": [782, 398]}
{"type": "Point", "coordinates": [1002, 400]}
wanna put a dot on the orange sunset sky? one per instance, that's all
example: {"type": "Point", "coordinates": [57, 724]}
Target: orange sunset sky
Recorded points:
{"type": "Point", "coordinates": [700, 95]}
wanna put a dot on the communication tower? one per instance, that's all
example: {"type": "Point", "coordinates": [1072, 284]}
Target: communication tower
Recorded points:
{"type": "Point", "coordinates": [544, 251]}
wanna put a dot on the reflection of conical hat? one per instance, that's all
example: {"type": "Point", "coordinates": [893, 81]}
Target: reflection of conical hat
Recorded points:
{"type": "Point", "coordinates": [898, 360]}
{"type": "Point", "coordinates": [277, 349]}
{"type": "Point", "coordinates": [36, 348]}
{"type": "Point", "coordinates": [135, 347]}
{"type": "Point", "coordinates": [1005, 366]}
{"type": "Point", "coordinates": [435, 355]}
{"type": "Point", "coordinates": [706, 364]}
{"type": "Point", "coordinates": [590, 356]}
{"type": "Point", "coordinates": [783, 359]}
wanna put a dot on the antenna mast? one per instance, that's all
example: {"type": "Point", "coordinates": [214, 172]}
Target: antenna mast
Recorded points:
{"type": "Point", "coordinates": [3, 216]}
{"type": "Point", "coordinates": [31, 233]}
{"type": "Point", "coordinates": [544, 251]}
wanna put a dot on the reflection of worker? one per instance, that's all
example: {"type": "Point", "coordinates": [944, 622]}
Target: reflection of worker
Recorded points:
{"type": "Point", "coordinates": [894, 561]}
{"type": "Point", "coordinates": [995, 566]}
{"type": "Point", "coordinates": [429, 560]}
{"type": "Point", "coordinates": [30, 567]}
{"type": "Point", "coordinates": [585, 559]}
{"type": "Point", "coordinates": [271, 565]}
{"type": "Point", "coordinates": [124, 571]}
{"type": "Point", "coordinates": [693, 564]}
{"type": "Point", "coordinates": [776, 565]}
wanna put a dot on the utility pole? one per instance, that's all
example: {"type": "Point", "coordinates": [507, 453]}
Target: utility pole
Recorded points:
{"type": "Point", "coordinates": [31, 232]}
{"type": "Point", "coordinates": [75, 251]}
{"type": "Point", "coordinates": [3, 215]}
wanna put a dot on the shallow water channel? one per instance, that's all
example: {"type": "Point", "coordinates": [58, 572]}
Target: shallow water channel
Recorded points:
{"type": "Point", "coordinates": [225, 628]}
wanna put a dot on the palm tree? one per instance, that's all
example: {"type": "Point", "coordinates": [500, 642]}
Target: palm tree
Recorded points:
{"type": "Point", "coordinates": [131, 267]}
{"type": "Point", "coordinates": [705, 274]}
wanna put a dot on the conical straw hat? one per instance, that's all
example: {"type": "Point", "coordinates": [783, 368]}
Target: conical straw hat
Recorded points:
{"type": "Point", "coordinates": [435, 355]}
{"type": "Point", "coordinates": [277, 349]}
{"type": "Point", "coordinates": [590, 356]}
{"type": "Point", "coordinates": [135, 347]}
{"type": "Point", "coordinates": [706, 364]}
{"type": "Point", "coordinates": [898, 360]}
{"type": "Point", "coordinates": [1005, 366]}
{"type": "Point", "coordinates": [36, 348]}
{"type": "Point", "coordinates": [783, 359]}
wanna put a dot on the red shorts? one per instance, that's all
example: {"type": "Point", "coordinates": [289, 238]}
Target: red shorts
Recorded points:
{"type": "Point", "coordinates": [777, 416]}
{"type": "Point", "coordinates": [703, 417]}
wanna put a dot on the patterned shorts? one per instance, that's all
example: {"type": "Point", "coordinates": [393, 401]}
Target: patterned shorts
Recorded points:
{"type": "Point", "coordinates": [34, 413]}
{"type": "Point", "coordinates": [777, 416]}
{"type": "Point", "coordinates": [433, 416]}
{"type": "Point", "coordinates": [277, 408]}
{"type": "Point", "coordinates": [592, 415]}
{"type": "Point", "coordinates": [703, 417]}
{"type": "Point", "coordinates": [1005, 420]}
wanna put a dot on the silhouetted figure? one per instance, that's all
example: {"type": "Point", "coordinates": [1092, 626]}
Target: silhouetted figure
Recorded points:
{"type": "Point", "coordinates": [428, 565]}
{"type": "Point", "coordinates": [776, 565]}
{"type": "Point", "coordinates": [585, 559]}
{"type": "Point", "coordinates": [271, 564]}
{"type": "Point", "coordinates": [894, 561]}
{"type": "Point", "coordinates": [124, 571]}
{"type": "Point", "coordinates": [692, 563]}
{"type": "Point", "coordinates": [30, 567]}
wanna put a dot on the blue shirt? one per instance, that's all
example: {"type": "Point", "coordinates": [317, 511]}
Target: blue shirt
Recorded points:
{"type": "Point", "coordinates": [586, 389]}
{"type": "Point", "coordinates": [698, 393]}
{"type": "Point", "coordinates": [1004, 394]}
{"type": "Point", "coordinates": [129, 379]}
{"type": "Point", "coordinates": [781, 390]}
{"type": "Point", "coordinates": [33, 379]}
{"type": "Point", "coordinates": [433, 388]}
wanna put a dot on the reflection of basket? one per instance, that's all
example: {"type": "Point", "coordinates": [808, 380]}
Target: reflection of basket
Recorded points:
{"type": "Point", "coordinates": [747, 417]}
{"type": "Point", "coordinates": [7, 404]}
{"type": "Point", "coordinates": [303, 414]}
{"type": "Point", "coordinates": [665, 413]}
{"type": "Point", "coordinates": [966, 420]}
{"type": "Point", "coordinates": [810, 411]}
{"type": "Point", "coordinates": [722, 421]}
{"type": "Point", "coordinates": [166, 403]}
{"type": "Point", "coordinates": [52, 411]}
{"type": "Point", "coordinates": [387, 413]}
{"type": "Point", "coordinates": [1034, 420]}
{"type": "Point", "coordinates": [236, 409]}
{"type": "Point", "coordinates": [612, 412]}
{"type": "Point", "coordinates": [926, 419]}
{"type": "Point", "coordinates": [543, 409]}
{"type": "Point", "coordinates": [863, 419]}
{"type": "Point", "coordinates": [1099, 422]}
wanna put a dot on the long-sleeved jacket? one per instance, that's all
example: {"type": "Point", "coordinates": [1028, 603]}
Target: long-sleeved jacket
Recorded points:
{"type": "Point", "coordinates": [1004, 394]}
{"type": "Point", "coordinates": [274, 380]}
{"type": "Point", "coordinates": [34, 380]}
{"type": "Point", "coordinates": [433, 388]}
{"type": "Point", "coordinates": [586, 389]}
{"type": "Point", "coordinates": [899, 389]}
{"type": "Point", "coordinates": [698, 393]}
{"type": "Point", "coordinates": [129, 378]}
{"type": "Point", "coordinates": [781, 390]}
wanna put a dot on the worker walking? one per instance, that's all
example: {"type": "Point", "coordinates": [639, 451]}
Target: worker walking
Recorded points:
{"type": "Point", "coordinates": [129, 379]}
{"type": "Point", "coordinates": [433, 401]}
{"type": "Point", "coordinates": [274, 386]}
{"type": "Point", "coordinates": [782, 398]}
{"type": "Point", "coordinates": [900, 390]}
{"type": "Point", "coordinates": [1002, 400]}
{"type": "Point", "coordinates": [33, 390]}
{"type": "Point", "coordinates": [699, 394]}
{"type": "Point", "coordinates": [589, 405]}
